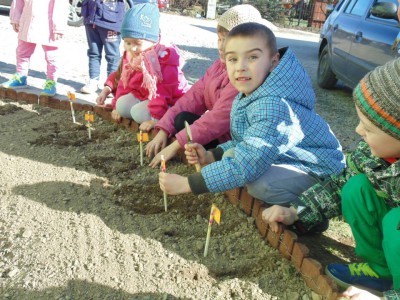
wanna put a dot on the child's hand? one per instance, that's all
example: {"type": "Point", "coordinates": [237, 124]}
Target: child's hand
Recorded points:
{"type": "Point", "coordinates": [278, 214]}
{"type": "Point", "coordinates": [169, 152]}
{"type": "Point", "coordinates": [356, 293]}
{"type": "Point", "coordinates": [116, 116]}
{"type": "Point", "coordinates": [101, 98]}
{"type": "Point", "coordinates": [157, 144]}
{"type": "Point", "coordinates": [146, 126]}
{"type": "Point", "coordinates": [197, 154]}
{"type": "Point", "coordinates": [15, 27]}
{"type": "Point", "coordinates": [173, 184]}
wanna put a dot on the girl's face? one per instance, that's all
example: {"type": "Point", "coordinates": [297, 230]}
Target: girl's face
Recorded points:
{"type": "Point", "coordinates": [136, 46]}
{"type": "Point", "coordinates": [221, 44]}
{"type": "Point", "coordinates": [381, 144]}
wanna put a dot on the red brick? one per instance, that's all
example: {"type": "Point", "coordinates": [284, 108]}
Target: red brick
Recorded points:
{"type": "Point", "coordinates": [44, 100]}
{"type": "Point", "coordinates": [233, 196]}
{"type": "Point", "coordinates": [311, 270]}
{"type": "Point", "coordinates": [126, 122]}
{"type": "Point", "coordinates": [11, 94]}
{"type": "Point", "coordinates": [300, 251]}
{"type": "Point", "coordinates": [53, 103]}
{"type": "Point", "coordinates": [134, 126]}
{"type": "Point", "coordinates": [87, 107]}
{"type": "Point", "coordinates": [65, 105]}
{"type": "Point", "coordinates": [21, 96]}
{"type": "Point", "coordinates": [327, 287]}
{"type": "Point", "coordinates": [246, 202]}
{"type": "Point", "coordinates": [261, 225]}
{"type": "Point", "coordinates": [287, 243]}
{"type": "Point", "coordinates": [2, 93]}
{"type": "Point", "coordinates": [78, 107]}
{"type": "Point", "coordinates": [274, 237]}
{"type": "Point", "coordinates": [32, 98]}
{"type": "Point", "coordinates": [98, 109]}
{"type": "Point", "coordinates": [257, 206]}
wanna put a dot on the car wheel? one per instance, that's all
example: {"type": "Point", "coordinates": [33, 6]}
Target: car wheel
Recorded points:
{"type": "Point", "coordinates": [74, 17]}
{"type": "Point", "coordinates": [326, 78]}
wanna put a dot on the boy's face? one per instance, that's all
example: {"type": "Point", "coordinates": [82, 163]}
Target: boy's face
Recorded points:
{"type": "Point", "coordinates": [248, 61]}
{"type": "Point", "coordinates": [221, 43]}
{"type": "Point", "coordinates": [382, 144]}
{"type": "Point", "coordinates": [136, 46]}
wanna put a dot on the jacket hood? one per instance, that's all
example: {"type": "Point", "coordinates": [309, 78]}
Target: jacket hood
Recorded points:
{"type": "Point", "coordinates": [289, 80]}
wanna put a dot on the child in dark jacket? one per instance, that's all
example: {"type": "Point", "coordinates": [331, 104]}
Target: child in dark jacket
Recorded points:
{"type": "Point", "coordinates": [149, 79]}
{"type": "Point", "coordinates": [280, 146]}
{"type": "Point", "coordinates": [367, 193]}
{"type": "Point", "coordinates": [102, 19]}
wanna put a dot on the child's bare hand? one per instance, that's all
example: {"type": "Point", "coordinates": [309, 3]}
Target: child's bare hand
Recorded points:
{"type": "Point", "coordinates": [116, 116]}
{"type": "Point", "coordinates": [146, 126]}
{"type": "Point", "coordinates": [157, 144]}
{"type": "Point", "coordinates": [173, 184]}
{"type": "Point", "coordinates": [15, 27]}
{"type": "Point", "coordinates": [356, 293]}
{"type": "Point", "coordinates": [278, 214]}
{"type": "Point", "coordinates": [197, 154]}
{"type": "Point", "coordinates": [101, 99]}
{"type": "Point", "coordinates": [169, 152]}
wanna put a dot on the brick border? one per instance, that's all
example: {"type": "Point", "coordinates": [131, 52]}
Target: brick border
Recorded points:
{"type": "Point", "coordinates": [284, 240]}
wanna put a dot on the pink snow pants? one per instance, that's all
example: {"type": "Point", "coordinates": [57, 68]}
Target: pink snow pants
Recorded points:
{"type": "Point", "coordinates": [24, 53]}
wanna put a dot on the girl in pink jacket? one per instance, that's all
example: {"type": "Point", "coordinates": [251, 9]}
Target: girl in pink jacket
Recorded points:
{"type": "Point", "coordinates": [149, 79]}
{"type": "Point", "coordinates": [37, 22]}
{"type": "Point", "coordinates": [207, 105]}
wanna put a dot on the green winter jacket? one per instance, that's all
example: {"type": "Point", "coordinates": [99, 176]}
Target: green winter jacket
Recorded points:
{"type": "Point", "coordinates": [323, 200]}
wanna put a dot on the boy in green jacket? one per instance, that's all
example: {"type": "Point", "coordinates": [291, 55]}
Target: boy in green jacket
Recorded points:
{"type": "Point", "coordinates": [367, 193]}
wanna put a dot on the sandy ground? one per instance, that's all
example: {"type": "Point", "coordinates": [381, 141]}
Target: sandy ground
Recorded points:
{"type": "Point", "coordinates": [81, 219]}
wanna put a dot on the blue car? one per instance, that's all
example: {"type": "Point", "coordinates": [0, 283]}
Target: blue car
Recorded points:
{"type": "Point", "coordinates": [358, 36]}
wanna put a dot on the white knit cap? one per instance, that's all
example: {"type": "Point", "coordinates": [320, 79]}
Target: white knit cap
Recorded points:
{"type": "Point", "coordinates": [240, 14]}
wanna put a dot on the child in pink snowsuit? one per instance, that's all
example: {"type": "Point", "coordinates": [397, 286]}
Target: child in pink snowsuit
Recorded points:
{"type": "Point", "coordinates": [149, 79]}
{"type": "Point", "coordinates": [37, 22]}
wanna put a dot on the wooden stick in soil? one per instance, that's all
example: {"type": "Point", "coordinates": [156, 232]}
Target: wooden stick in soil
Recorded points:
{"type": "Point", "coordinates": [141, 147]}
{"type": "Point", "coordinates": [164, 169]}
{"type": "Point", "coordinates": [214, 214]}
{"type": "Point", "coordinates": [71, 97]}
{"type": "Point", "coordinates": [89, 118]}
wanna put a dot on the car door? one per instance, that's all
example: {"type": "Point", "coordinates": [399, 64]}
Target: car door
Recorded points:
{"type": "Point", "coordinates": [345, 28]}
{"type": "Point", "coordinates": [374, 45]}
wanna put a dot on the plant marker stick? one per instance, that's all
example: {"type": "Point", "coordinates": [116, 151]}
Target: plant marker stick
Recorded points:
{"type": "Point", "coordinates": [214, 214]}
{"type": "Point", "coordinates": [141, 147]}
{"type": "Point", "coordinates": [164, 169]}
{"type": "Point", "coordinates": [71, 97]}
{"type": "Point", "coordinates": [89, 118]}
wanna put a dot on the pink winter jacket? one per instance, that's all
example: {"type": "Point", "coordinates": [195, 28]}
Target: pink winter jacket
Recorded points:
{"type": "Point", "coordinates": [169, 90]}
{"type": "Point", "coordinates": [39, 19]}
{"type": "Point", "coordinates": [213, 92]}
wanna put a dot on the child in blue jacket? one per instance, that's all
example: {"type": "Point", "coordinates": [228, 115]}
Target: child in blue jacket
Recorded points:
{"type": "Point", "coordinates": [102, 19]}
{"type": "Point", "coordinates": [280, 146]}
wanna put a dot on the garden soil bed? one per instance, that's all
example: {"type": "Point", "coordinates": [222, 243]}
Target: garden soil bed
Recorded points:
{"type": "Point", "coordinates": [81, 219]}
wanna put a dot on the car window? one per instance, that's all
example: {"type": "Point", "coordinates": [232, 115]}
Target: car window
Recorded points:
{"type": "Point", "coordinates": [391, 21]}
{"type": "Point", "coordinates": [339, 5]}
{"type": "Point", "coordinates": [357, 7]}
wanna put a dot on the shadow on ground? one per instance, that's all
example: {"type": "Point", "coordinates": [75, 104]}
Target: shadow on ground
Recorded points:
{"type": "Point", "coordinates": [78, 289]}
